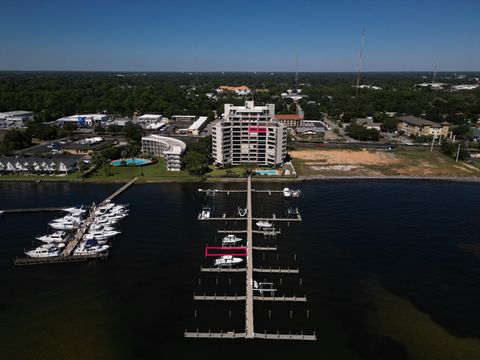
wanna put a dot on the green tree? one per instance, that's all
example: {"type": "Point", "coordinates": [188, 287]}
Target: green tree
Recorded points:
{"type": "Point", "coordinates": [390, 124]}
{"type": "Point", "coordinates": [195, 163]}
{"type": "Point", "coordinates": [133, 131]}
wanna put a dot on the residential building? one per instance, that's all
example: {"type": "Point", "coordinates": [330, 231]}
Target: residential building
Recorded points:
{"type": "Point", "coordinates": [289, 120]}
{"type": "Point", "coordinates": [190, 118]}
{"type": "Point", "coordinates": [249, 134]}
{"type": "Point", "coordinates": [35, 165]}
{"type": "Point", "coordinates": [169, 148]}
{"type": "Point", "coordinates": [412, 125]}
{"type": "Point", "coordinates": [369, 123]}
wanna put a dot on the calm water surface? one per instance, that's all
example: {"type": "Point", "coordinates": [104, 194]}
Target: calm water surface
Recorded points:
{"type": "Point", "coordinates": [391, 271]}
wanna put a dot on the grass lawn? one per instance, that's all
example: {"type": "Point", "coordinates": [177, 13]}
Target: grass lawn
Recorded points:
{"type": "Point", "coordinates": [154, 172]}
{"type": "Point", "coordinates": [219, 172]}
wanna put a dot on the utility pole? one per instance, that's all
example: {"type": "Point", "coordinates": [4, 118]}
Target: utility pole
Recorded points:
{"type": "Point", "coordinates": [360, 61]}
{"type": "Point", "coordinates": [433, 140]}
{"type": "Point", "coordinates": [458, 153]}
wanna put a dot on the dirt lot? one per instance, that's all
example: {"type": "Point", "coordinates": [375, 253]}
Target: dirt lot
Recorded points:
{"type": "Point", "coordinates": [378, 163]}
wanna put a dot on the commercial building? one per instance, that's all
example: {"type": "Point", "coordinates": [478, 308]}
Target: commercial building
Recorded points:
{"type": "Point", "coordinates": [190, 118]}
{"type": "Point", "coordinates": [149, 118]}
{"type": "Point", "coordinates": [86, 120]}
{"type": "Point", "coordinates": [35, 165]}
{"type": "Point", "coordinates": [169, 148]}
{"type": "Point", "coordinates": [17, 115]}
{"type": "Point", "coordinates": [412, 125]}
{"type": "Point", "coordinates": [289, 120]}
{"type": "Point", "coordinates": [195, 128]}
{"type": "Point", "coordinates": [238, 90]}
{"type": "Point", "coordinates": [249, 134]}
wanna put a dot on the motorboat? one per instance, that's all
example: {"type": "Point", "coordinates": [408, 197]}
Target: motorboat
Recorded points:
{"type": "Point", "coordinates": [56, 237]}
{"type": "Point", "coordinates": [103, 234]}
{"type": "Point", "coordinates": [227, 260]}
{"type": "Point", "coordinates": [101, 227]}
{"type": "Point", "coordinates": [88, 237]}
{"type": "Point", "coordinates": [75, 210]}
{"type": "Point", "coordinates": [296, 193]}
{"type": "Point", "coordinates": [264, 224]}
{"type": "Point", "coordinates": [68, 218]}
{"type": "Point", "coordinates": [293, 211]}
{"type": "Point", "coordinates": [66, 225]}
{"type": "Point", "coordinates": [103, 220]}
{"type": "Point", "coordinates": [230, 240]}
{"type": "Point", "coordinates": [114, 210]}
{"type": "Point", "coordinates": [45, 251]}
{"type": "Point", "coordinates": [287, 193]}
{"type": "Point", "coordinates": [242, 212]}
{"type": "Point", "coordinates": [90, 247]}
{"type": "Point", "coordinates": [205, 214]}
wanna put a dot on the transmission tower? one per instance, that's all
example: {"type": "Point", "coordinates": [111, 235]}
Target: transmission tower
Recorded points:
{"type": "Point", "coordinates": [360, 60]}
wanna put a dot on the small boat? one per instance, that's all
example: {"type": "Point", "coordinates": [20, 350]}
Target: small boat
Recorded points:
{"type": "Point", "coordinates": [227, 260]}
{"type": "Point", "coordinates": [287, 193]}
{"type": "Point", "coordinates": [87, 237]}
{"type": "Point", "coordinates": [205, 214]}
{"type": "Point", "coordinates": [45, 251]}
{"type": "Point", "coordinates": [56, 237]}
{"type": "Point", "coordinates": [242, 212]}
{"type": "Point", "coordinates": [230, 240]}
{"type": "Point", "coordinates": [264, 224]}
{"type": "Point", "coordinates": [90, 247]}
{"type": "Point", "coordinates": [296, 193]}
{"type": "Point", "coordinates": [103, 220]}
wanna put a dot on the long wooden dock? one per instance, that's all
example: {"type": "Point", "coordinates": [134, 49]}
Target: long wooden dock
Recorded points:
{"type": "Point", "coordinates": [208, 269]}
{"type": "Point", "coordinates": [214, 335]}
{"type": "Point", "coordinates": [276, 270]}
{"type": "Point", "coordinates": [121, 190]}
{"type": "Point", "coordinates": [216, 297]}
{"type": "Point", "coordinates": [240, 335]}
{"type": "Point", "coordinates": [30, 210]}
{"type": "Point", "coordinates": [249, 327]}
{"type": "Point", "coordinates": [60, 259]}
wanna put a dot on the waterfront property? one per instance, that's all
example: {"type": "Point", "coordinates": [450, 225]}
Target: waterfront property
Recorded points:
{"type": "Point", "coordinates": [249, 134]}
{"type": "Point", "coordinates": [412, 125]}
{"type": "Point", "coordinates": [169, 148]}
{"type": "Point", "coordinates": [35, 165]}
{"type": "Point", "coordinates": [132, 161]}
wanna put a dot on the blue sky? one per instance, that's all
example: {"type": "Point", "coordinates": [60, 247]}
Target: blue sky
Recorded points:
{"type": "Point", "coordinates": [261, 35]}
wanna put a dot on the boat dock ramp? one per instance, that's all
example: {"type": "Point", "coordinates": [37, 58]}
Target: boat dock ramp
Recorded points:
{"type": "Point", "coordinates": [251, 286]}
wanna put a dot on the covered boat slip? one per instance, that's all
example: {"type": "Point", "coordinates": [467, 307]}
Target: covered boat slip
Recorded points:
{"type": "Point", "coordinates": [253, 292]}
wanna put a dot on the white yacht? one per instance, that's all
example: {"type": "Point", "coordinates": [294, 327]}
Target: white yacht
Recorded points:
{"type": "Point", "coordinates": [46, 250]}
{"type": "Point", "coordinates": [75, 210]}
{"type": "Point", "coordinates": [205, 214]}
{"type": "Point", "coordinates": [68, 218]}
{"type": "Point", "coordinates": [287, 193]}
{"type": "Point", "coordinates": [66, 225]}
{"type": "Point", "coordinates": [56, 237]}
{"type": "Point", "coordinates": [103, 234]}
{"type": "Point", "coordinates": [100, 227]}
{"type": "Point", "coordinates": [230, 240]}
{"type": "Point", "coordinates": [90, 247]}
{"type": "Point", "coordinates": [103, 220]}
{"type": "Point", "coordinates": [264, 224]}
{"type": "Point", "coordinates": [227, 260]}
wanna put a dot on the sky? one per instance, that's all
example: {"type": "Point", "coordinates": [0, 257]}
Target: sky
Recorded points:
{"type": "Point", "coordinates": [224, 35]}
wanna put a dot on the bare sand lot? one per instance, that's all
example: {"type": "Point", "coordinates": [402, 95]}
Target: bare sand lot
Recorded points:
{"type": "Point", "coordinates": [338, 162]}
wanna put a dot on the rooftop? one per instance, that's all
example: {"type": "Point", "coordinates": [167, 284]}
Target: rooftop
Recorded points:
{"type": "Point", "coordinates": [413, 120]}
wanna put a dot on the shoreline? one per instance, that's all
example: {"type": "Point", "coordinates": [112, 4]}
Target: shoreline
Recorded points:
{"type": "Point", "coordinates": [470, 179]}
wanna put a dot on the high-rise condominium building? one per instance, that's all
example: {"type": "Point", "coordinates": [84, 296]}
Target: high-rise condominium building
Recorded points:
{"type": "Point", "coordinates": [249, 134]}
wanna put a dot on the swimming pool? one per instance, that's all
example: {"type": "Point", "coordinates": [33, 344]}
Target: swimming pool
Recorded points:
{"type": "Point", "coordinates": [131, 161]}
{"type": "Point", "coordinates": [266, 172]}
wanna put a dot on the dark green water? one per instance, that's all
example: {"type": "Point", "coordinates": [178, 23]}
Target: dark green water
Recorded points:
{"type": "Point", "coordinates": [391, 271]}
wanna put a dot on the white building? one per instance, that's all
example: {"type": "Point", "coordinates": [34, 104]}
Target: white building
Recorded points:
{"type": "Point", "coordinates": [184, 118]}
{"type": "Point", "coordinates": [17, 116]}
{"type": "Point", "coordinates": [149, 118]}
{"type": "Point", "coordinates": [169, 148]}
{"type": "Point", "coordinates": [194, 129]}
{"type": "Point", "coordinates": [83, 120]}
{"type": "Point", "coordinates": [9, 164]}
{"type": "Point", "coordinates": [248, 134]}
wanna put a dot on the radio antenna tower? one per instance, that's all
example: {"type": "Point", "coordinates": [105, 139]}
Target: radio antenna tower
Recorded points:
{"type": "Point", "coordinates": [434, 78]}
{"type": "Point", "coordinates": [360, 61]}
{"type": "Point", "coordinates": [296, 74]}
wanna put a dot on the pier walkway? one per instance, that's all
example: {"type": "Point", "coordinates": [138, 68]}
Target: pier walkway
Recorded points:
{"type": "Point", "coordinates": [249, 329]}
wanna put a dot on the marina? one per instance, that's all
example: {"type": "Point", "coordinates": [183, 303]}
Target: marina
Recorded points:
{"type": "Point", "coordinates": [266, 228]}
{"type": "Point", "coordinates": [86, 244]}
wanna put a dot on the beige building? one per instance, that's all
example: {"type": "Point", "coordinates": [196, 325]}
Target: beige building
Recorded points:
{"type": "Point", "coordinates": [289, 120]}
{"type": "Point", "coordinates": [412, 125]}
